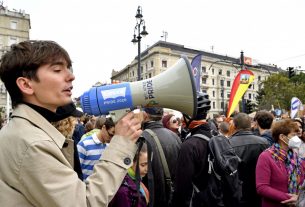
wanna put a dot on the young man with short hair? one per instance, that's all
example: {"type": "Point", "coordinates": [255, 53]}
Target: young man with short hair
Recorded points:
{"type": "Point", "coordinates": [34, 171]}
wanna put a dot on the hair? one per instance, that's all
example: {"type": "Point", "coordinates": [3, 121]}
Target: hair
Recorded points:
{"type": "Point", "coordinates": [264, 119]}
{"type": "Point", "coordinates": [86, 119]}
{"type": "Point", "coordinates": [166, 120]}
{"type": "Point", "coordinates": [224, 127]}
{"type": "Point", "coordinates": [109, 123]}
{"type": "Point", "coordinates": [88, 126]}
{"type": "Point", "coordinates": [300, 121]}
{"type": "Point", "coordinates": [216, 116]}
{"type": "Point", "coordinates": [154, 117]}
{"type": "Point", "coordinates": [100, 122]}
{"type": "Point", "coordinates": [285, 127]}
{"type": "Point", "coordinates": [65, 126]}
{"type": "Point", "coordinates": [242, 121]}
{"type": "Point", "coordinates": [24, 59]}
{"type": "Point", "coordinates": [143, 150]}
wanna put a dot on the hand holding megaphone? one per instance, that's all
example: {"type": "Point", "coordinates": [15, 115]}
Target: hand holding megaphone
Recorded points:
{"type": "Point", "coordinates": [174, 88]}
{"type": "Point", "coordinates": [129, 126]}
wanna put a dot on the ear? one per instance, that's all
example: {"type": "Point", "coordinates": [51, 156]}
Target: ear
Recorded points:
{"type": "Point", "coordinates": [25, 86]}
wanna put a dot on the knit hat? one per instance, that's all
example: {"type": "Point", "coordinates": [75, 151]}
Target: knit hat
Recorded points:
{"type": "Point", "coordinates": [165, 120]}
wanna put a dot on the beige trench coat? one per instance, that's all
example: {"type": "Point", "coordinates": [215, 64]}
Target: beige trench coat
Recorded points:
{"type": "Point", "coordinates": [35, 172]}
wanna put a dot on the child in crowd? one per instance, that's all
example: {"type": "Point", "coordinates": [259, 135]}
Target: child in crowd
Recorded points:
{"type": "Point", "coordinates": [127, 194]}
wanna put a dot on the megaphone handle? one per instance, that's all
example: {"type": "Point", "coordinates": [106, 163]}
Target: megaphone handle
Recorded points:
{"type": "Point", "coordinates": [116, 115]}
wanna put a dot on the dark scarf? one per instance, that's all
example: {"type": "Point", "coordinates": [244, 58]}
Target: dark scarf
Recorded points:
{"type": "Point", "coordinates": [49, 115]}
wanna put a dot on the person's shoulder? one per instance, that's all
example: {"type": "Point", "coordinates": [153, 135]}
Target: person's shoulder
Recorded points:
{"type": "Point", "coordinates": [261, 140]}
{"type": "Point", "coordinates": [27, 132]}
{"type": "Point", "coordinates": [265, 156]}
{"type": "Point", "coordinates": [86, 141]}
{"type": "Point", "coordinates": [194, 140]}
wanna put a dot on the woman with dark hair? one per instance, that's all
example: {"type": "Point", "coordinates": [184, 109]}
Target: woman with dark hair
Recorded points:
{"type": "Point", "coordinates": [171, 122]}
{"type": "Point", "coordinates": [279, 170]}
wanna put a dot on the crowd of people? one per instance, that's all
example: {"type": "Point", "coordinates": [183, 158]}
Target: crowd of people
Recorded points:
{"type": "Point", "coordinates": [51, 154]}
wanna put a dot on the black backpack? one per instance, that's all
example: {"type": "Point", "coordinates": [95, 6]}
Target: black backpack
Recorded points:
{"type": "Point", "coordinates": [224, 189]}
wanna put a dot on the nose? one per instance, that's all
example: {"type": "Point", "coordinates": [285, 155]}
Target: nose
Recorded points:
{"type": "Point", "coordinates": [70, 76]}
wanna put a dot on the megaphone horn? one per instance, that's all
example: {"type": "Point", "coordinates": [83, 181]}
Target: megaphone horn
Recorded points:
{"type": "Point", "coordinates": [174, 88]}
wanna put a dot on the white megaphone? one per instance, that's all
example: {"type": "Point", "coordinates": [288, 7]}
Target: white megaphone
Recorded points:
{"type": "Point", "coordinates": [174, 88]}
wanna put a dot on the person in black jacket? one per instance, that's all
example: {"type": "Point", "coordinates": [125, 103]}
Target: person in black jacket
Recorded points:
{"type": "Point", "coordinates": [248, 147]}
{"type": "Point", "coordinates": [192, 166]}
{"type": "Point", "coordinates": [170, 143]}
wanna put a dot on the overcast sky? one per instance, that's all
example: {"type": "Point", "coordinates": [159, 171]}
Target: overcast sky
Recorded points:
{"type": "Point", "coordinates": [98, 33]}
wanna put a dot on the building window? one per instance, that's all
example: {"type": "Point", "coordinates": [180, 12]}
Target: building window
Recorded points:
{"type": "Point", "coordinates": [151, 63]}
{"type": "Point", "coordinates": [253, 86]}
{"type": "Point", "coordinates": [14, 24]}
{"type": "Point", "coordinates": [141, 69]}
{"type": "Point", "coordinates": [221, 82]}
{"type": "Point", "coordinates": [133, 73]}
{"type": "Point", "coordinates": [228, 73]}
{"type": "Point", "coordinates": [213, 82]}
{"type": "Point", "coordinates": [220, 72]}
{"type": "Point", "coordinates": [250, 96]}
{"type": "Point", "coordinates": [259, 78]}
{"type": "Point", "coordinates": [228, 83]}
{"type": "Point", "coordinates": [164, 63]}
{"type": "Point", "coordinates": [228, 95]}
{"type": "Point", "coordinates": [221, 93]}
{"type": "Point", "coordinates": [204, 91]}
{"type": "Point", "coordinates": [221, 105]}
{"type": "Point", "coordinates": [149, 75]}
{"type": "Point", "coordinates": [204, 81]}
{"type": "Point", "coordinates": [213, 104]}
{"type": "Point", "coordinates": [12, 40]}
{"type": "Point", "coordinates": [213, 71]}
{"type": "Point", "coordinates": [213, 93]}
{"type": "Point", "coordinates": [204, 69]}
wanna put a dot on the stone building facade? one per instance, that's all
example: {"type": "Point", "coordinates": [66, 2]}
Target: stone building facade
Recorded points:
{"type": "Point", "coordinates": [217, 71]}
{"type": "Point", "coordinates": [14, 28]}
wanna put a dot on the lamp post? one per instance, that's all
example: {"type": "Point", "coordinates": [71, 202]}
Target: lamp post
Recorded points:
{"type": "Point", "coordinates": [242, 64]}
{"type": "Point", "coordinates": [223, 95]}
{"type": "Point", "coordinates": [137, 37]}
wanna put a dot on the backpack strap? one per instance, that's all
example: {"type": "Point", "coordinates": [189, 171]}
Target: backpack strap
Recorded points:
{"type": "Point", "coordinates": [201, 136]}
{"type": "Point", "coordinates": [210, 161]}
{"type": "Point", "coordinates": [162, 156]}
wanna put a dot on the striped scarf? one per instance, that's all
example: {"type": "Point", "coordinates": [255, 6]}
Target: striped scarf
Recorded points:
{"type": "Point", "coordinates": [293, 166]}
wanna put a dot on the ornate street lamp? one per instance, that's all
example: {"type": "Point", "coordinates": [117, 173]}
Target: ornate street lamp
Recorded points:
{"type": "Point", "coordinates": [137, 37]}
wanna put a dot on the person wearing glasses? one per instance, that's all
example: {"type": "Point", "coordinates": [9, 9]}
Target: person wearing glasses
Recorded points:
{"type": "Point", "coordinates": [171, 122]}
{"type": "Point", "coordinates": [91, 148]}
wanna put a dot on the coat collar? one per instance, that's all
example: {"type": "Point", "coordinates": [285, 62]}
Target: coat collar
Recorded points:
{"type": "Point", "coordinates": [26, 112]}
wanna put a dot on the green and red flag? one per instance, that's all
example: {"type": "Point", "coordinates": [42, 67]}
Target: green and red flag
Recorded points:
{"type": "Point", "coordinates": [240, 85]}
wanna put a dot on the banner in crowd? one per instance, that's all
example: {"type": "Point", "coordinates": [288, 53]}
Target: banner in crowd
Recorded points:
{"type": "Point", "coordinates": [196, 66]}
{"type": "Point", "coordinates": [296, 105]}
{"type": "Point", "coordinates": [240, 85]}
